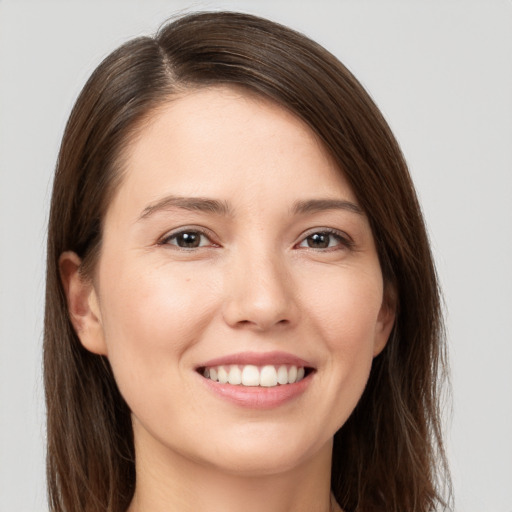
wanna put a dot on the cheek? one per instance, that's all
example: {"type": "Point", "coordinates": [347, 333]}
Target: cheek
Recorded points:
{"type": "Point", "coordinates": [344, 313]}
{"type": "Point", "coordinates": [152, 317]}
{"type": "Point", "coordinates": [346, 306]}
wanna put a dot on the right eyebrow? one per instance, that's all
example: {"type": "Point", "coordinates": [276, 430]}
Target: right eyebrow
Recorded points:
{"type": "Point", "coordinates": [320, 205]}
{"type": "Point", "coordinates": [198, 204]}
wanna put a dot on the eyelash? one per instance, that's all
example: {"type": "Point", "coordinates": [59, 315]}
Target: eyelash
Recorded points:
{"type": "Point", "coordinates": [344, 241]}
{"type": "Point", "coordinates": [191, 231]}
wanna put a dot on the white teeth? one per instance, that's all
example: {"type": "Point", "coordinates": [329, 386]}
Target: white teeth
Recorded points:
{"type": "Point", "coordinates": [282, 375]}
{"type": "Point", "coordinates": [268, 376]}
{"type": "Point", "coordinates": [250, 375]}
{"type": "Point", "coordinates": [222, 375]}
{"type": "Point", "coordinates": [235, 375]}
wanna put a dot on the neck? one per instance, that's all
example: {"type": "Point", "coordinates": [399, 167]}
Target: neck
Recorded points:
{"type": "Point", "coordinates": [169, 481]}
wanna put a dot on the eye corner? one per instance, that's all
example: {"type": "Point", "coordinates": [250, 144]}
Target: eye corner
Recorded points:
{"type": "Point", "coordinates": [188, 239]}
{"type": "Point", "coordinates": [323, 238]}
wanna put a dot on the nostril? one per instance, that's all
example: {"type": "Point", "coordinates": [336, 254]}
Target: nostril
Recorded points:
{"type": "Point", "coordinates": [261, 325]}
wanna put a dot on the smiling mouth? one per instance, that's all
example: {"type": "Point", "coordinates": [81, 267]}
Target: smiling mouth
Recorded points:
{"type": "Point", "coordinates": [267, 376]}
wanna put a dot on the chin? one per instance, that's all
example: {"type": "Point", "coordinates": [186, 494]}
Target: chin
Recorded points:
{"type": "Point", "coordinates": [264, 455]}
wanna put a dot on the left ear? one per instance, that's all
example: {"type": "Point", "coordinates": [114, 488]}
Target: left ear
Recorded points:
{"type": "Point", "coordinates": [385, 319]}
{"type": "Point", "coordinates": [83, 304]}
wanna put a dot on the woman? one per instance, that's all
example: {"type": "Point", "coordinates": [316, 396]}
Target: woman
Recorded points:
{"type": "Point", "coordinates": [242, 309]}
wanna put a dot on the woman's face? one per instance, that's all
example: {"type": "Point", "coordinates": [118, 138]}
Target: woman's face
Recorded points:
{"type": "Point", "coordinates": [235, 249]}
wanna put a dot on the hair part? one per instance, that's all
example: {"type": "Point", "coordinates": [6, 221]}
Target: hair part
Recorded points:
{"type": "Point", "coordinates": [389, 454]}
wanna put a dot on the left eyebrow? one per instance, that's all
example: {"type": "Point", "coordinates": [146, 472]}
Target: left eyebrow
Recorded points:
{"type": "Point", "coordinates": [198, 204]}
{"type": "Point", "coordinates": [320, 205]}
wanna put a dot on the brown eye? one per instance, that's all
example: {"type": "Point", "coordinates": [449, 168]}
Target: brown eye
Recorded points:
{"type": "Point", "coordinates": [188, 239]}
{"type": "Point", "coordinates": [319, 240]}
{"type": "Point", "coordinates": [325, 240]}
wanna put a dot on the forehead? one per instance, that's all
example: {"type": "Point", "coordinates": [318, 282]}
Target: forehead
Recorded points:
{"type": "Point", "coordinates": [216, 142]}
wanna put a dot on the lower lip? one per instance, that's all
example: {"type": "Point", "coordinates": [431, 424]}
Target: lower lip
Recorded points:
{"type": "Point", "coordinates": [258, 397]}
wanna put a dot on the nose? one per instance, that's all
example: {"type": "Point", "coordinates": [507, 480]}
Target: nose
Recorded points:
{"type": "Point", "coordinates": [259, 292]}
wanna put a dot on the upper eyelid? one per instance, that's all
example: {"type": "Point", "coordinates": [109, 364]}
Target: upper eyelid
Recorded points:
{"type": "Point", "coordinates": [345, 241]}
{"type": "Point", "coordinates": [211, 236]}
{"type": "Point", "coordinates": [331, 231]}
{"type": "Point", "coordinates": [191, 229]}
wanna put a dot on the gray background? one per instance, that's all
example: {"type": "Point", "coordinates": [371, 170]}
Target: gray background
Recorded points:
{"type": "Point", "coordinates": [441, 71]}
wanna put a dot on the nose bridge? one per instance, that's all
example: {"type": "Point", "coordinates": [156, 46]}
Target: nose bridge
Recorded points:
{"type": "Point", "coordinates": [258, 288]}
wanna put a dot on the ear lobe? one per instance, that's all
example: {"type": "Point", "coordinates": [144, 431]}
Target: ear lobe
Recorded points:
{"type": "Point", "coordinates": [385, 319]}
{"type": "Point", "coordinates": [83, 306]}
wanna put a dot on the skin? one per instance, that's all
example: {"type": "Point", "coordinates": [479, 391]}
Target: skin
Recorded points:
{"type": "Point", "coordinates": [254, 284]}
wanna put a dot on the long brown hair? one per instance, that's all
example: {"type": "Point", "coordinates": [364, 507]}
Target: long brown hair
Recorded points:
{"type": "Point", "coordinates": [389, 454]}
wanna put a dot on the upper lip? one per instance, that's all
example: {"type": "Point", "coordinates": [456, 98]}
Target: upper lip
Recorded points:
{"type": "Point", "coordinates": [275, 358]}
